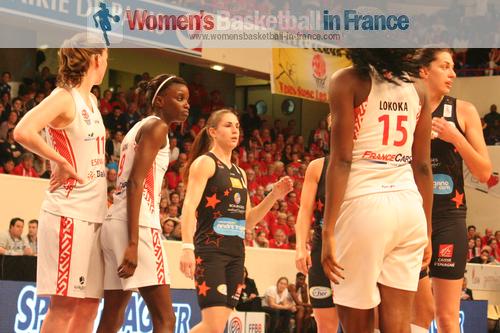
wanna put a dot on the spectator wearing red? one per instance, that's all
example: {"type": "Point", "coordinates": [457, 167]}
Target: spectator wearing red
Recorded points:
{"type": "Point", "coordinates": [290, 222]}
{"type": "Point", "coordinates": [293, 205]}
{"type": "Point", "coordinates": [279, 241]}
{"type": "Point", "coordinates": [281, 225]}
{"type": "Point", "coordinates": [291, 172]}
{"type": "Point", "coordinates": [495, 250]}
{"type": "Point", "coordinates": [249, 238]}
{"type": "Point", "coordinates": [471, 249]}
{"type": "Point", "coordinates": [172, 176]}
{"type": "Point", "coordinates": [271, 217]}
{"type": "Point", "coordinates": [255, 136]}
{"type": "Point", "coordinates": [258, 196]}
{"type": "Point", "coordinates": [296, 162]}
{"type": "Point", "coordinates": [25, 168]}
{"type": "Point", "coordinates": [280, 142]}
{"type": "Point", "coordinates": [252, 183]}
{"type": "Point", "coordinates": [297, 189]}
{"type": "Point", "coordinates": [105, 103]}
{"type": "Point", "coordinates": [266, 135]}
{"type": "Point", "coordinates": [322, 134]}
{"type": "Point", "coordinates": [488, 233]}
{"type": "Point", "coordinates": [215, 103]}
{"type": "Point", "coordinates": [120, 101]}
{"type": "Point", "coordinates": [299, 144]}
{"type": "Point", "coordinates": [198, 95]}
{"type": "Point", "coordinates": [262, 226]}
{"type": "Point", "coordinates": [279, 169]}
{"type": "Point", "coordinates": [270, 176]}
{"type": "Point", "coordinates": [196, 128]}
{"type": "Point", "coordinates": [7, 167]}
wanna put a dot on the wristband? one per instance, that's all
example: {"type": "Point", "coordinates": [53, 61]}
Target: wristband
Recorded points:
{"type": "Point", "coordinates": [189, 246]}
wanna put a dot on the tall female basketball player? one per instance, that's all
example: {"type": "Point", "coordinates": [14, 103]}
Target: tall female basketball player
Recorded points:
{"type": "Point", "coordinates": [378, 189]}
{"type": "Point", "coordinates": [133, 252]}
{"type": "Point", "coordinates": [458, 138]}
{"type": "Point", "coordinates": [69, 257]}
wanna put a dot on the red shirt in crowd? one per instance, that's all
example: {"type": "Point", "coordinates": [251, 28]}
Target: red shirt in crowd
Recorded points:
{"type": "Point", "coordinates": [173, 179]}
{"type": "Point", "coordinates": [286, 229]}
{"type": "Point", "coordinates": [274, 245]}
{"type": "Point", "coordinates": [20, 170]}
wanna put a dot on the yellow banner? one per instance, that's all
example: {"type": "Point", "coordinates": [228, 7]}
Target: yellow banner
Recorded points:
{"type": "Point", "coordinates": [304, 73]}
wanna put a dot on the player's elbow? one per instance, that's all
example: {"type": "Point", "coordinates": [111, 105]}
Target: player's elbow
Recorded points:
{"type": "Point", "coordinates": [21, 135]}
{"type": "Point", "coordinates": [421, 168]}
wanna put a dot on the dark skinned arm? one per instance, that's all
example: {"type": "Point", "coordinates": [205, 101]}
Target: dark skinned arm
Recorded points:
{"type": "Point", "coordinates": [150, 139]}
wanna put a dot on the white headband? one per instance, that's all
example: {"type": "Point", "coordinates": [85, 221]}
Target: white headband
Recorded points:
{"type": "Point", "coordinates": [159, 88]}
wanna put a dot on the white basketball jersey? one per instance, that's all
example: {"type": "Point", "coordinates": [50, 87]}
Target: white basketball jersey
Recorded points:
{"type": "Point", "coordinates": [149, 215]}
{"type": "Point", "coordinates": [81, 143]}
{"type": "Point", "coordinates": [383, 140]}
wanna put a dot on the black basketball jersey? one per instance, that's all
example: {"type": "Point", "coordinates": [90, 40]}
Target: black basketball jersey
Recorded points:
{"type": "Point", "coordinates": [319, 206]}
{"type": "Point", "coordinates": [447, 168]}
{"type": "Point", "coordinates": [221, 212]}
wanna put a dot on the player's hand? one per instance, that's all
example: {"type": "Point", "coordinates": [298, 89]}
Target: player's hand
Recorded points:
{"type": "Point", "coordinates": [129, 262]}
{"type": "Point", "coordinates": [302, 260]}
{"type": "Point", "coordinates": [445, 130]}
{"type": "Point", "coordinates": [62, 174]}
{"type": "Point", "coordinates": [188, 265]}
{"type": "Point", "coordinates": [427, 255]}
{"type": "Point", "coordinates": [282, 187]}
{"type": "Point", "coordinates": [331, 267]}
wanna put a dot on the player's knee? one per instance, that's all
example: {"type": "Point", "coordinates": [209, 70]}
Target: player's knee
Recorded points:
{"type": "Point", "coordinates": [447, 319]}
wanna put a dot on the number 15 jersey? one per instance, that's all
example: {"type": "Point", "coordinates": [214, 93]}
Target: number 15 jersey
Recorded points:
{"type": "Point", "coordinates": [383, 138]}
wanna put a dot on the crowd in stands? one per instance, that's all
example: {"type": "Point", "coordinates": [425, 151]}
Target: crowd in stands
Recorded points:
{"type": "Point", "coordinates": [483, 249]}
{"type": "Point", "coordinates": [267, 151]}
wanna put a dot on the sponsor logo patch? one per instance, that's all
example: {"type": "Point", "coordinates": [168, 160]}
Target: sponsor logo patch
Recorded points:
{"type": "Point", "coordinates": [320, 292]}
{"type": "Point", "coordinates": [445, 250]}
{"type": "Point", "coordinates": [443, 184]}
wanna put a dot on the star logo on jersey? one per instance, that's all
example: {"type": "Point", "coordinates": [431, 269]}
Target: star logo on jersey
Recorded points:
{"type": "Point", "coordinates": [199, 260]}
{"type": "Point", "coordinates": [458, 199]}
{"type": "Point", "coordinates": [203, 289]}
{"type": "Point", "coordinates": [319, 205]}
{"type": "Point", "coordinates": [199, 272]}
{"type": "Point", "coordinates": [213, 238]}
{"type": "Point", "coordinates": [226, 192]}
{"type": "Point", "coordinates": [212, 201]}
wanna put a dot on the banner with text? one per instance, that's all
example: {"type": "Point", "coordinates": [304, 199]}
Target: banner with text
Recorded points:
{"type": "Point", "coordinates": [304, 73]}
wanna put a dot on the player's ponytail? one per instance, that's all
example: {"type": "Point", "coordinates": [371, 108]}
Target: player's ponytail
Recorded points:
{"type": "Point", "coordinates": [75, 57]}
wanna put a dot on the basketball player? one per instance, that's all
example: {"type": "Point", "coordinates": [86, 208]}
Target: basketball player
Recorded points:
{"type": "Point", "coordinates": [311, 208]}
{"type": "Point", "coordinates": [458, 138]}
{"type": "Point", "coordinates": [69, 259]}
{"type": "Point", "coordinates": [133, 252]}
{"type": "Point", "coordinates": [378, 189]}
{"type": "Point", "coordinates": [218, 205]}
